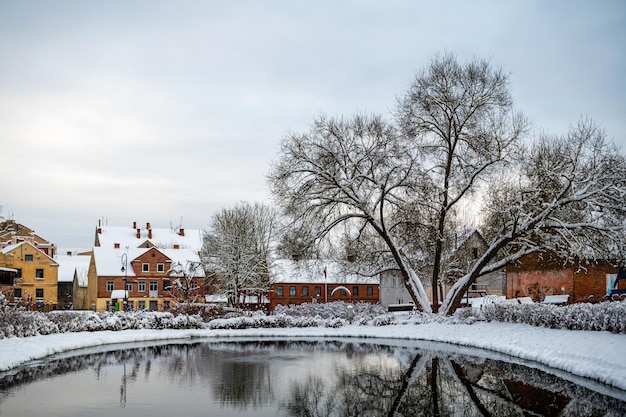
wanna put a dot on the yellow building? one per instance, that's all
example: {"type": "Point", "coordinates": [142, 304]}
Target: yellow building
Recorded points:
{"type": "Point", "coordinates": [37, 275]}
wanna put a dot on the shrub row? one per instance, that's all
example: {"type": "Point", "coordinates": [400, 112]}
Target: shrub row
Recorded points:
{"type": "Point", "coordinates": [606, 316]}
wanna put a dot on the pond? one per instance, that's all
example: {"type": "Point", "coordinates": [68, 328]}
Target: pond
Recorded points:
{"type": "Point", "coordinates": [343, 377]}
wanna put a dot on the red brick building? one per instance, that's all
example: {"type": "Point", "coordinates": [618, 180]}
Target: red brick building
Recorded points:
{"type": "Point", "coordinates": [298, 282]}
{"type": "Point", "coordinates": [539, 275]}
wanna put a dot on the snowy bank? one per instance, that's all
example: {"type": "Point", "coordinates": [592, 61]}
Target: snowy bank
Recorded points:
{"type": "Point", "coordinates": [594, 355]}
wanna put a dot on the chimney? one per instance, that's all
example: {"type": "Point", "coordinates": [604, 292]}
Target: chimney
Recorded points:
{"type": "Point", "coordinates": [99, 230]}
{"type": "Point", "coordinates": [134, 225]}
{"type": "Point", "coordinates": [176, 246]}
{"type": "Point", "coordinates": [138, 233]}
{"type": "Point", "coordinates": [148, 225]}
{"type": "Point", "coordinates": [69, 253]}
{"type": "Point", "coordinates": [116, 245]}
{"type": "Point", "coordinates": [149, 233]}
{"type": "Point", "coordinates": [181, 232]}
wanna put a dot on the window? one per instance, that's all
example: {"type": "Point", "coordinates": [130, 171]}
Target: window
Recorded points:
{"type": "Point", "coordinates": [19, 273]}
{"type": "Point", "coordinates": [129, 287]}
{"type": "Point", "coordinates": [145, 267]}
{"type": "Point", "coordinates": [28, 258]}
{"type": "Point", "coordinates": [39, 274]}
{"type": "Point", "coordinates": [279, 291]}
{"type": "Point", "coordinates": [330, 289]}
{"type": "Point", "coordinates": [141, 286]}
{"type": "Point", "coordinates": [305, 291]}
{"type": "Point", "coordinates": [142, 303]}
{"type": "Point", "coordinates": [110, 286]}
{"type": "Point", "coordinates": [355, 291]}
{"type": "Point", "coordinates": [370, 291]}
{"type": "Point", "coordinates": [38, 292]}
{"type": "Point", "coordinates": [318, 290]}
{"type": "Point", "coordinates": [343, 292]}
{"type": "Point", "coordinates": [292, 290]}
{"type": "Point", "coordinates": [166, 285]}
{"type": "Point", "coordinates": [166, 305]}
{"type": "Point", "coordinates": [154, 285]}
{"type": "Point", "coordinates": [160, 267]}
{"type": "Point", "coordinates": [17, 293]}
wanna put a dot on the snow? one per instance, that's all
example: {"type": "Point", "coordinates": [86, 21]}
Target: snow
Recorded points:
{"type": "Point", "coordinates": [589, 354]}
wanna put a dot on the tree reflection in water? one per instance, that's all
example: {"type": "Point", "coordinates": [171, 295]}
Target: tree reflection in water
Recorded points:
{"type": "Point", "coordinates": [451, 385]}
{"type": "Point", "coordinates": [338, 378]}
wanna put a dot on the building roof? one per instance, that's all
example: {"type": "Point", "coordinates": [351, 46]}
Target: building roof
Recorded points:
{"type": "Point", "coordinates": [109, 260]}
{"type": "Point", "coordinates": [312, 272]}
{"type": "Point", "coordinates": [136, 235]}
{"type": "Point", "coordinates": [68, 264]}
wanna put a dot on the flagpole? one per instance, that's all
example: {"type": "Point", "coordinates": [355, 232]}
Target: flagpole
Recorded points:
{"type": "Point", "coordinates": [325, 286]}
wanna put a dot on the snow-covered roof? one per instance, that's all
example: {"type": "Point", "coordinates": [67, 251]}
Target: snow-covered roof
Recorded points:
{"type": "Point", "coordinates": [68, 264]}
{"type": "Point", "coordinates": [163, 238]}
{"type": "Point", "coordinates": [109, 260]}
{"type": "Point", "coordinates": [312, 271]}
{"type": "Point", "coordinates": [8, 269]}
{"type": "Point", "coordinates": [115, 294]}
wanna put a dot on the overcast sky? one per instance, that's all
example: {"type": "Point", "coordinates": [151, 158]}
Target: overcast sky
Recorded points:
{"type": "Point", "coordinates": [153, 111]}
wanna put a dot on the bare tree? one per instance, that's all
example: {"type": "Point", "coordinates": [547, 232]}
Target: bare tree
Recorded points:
{"type": "Point", "coordinates": [186, 287]}
{"type": "Point", "coordinates": [461, 118]}
{"type": "Point", "coordinates": [238, 249]}
{"type": "Point", "coordinates": [564, 195]}
{"type": "Point", "coordinates": [358, 173]}
{"type": "Point", "coordinates": [400, 191]}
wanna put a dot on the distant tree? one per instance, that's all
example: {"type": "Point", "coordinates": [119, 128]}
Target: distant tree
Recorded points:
{"type": "Point", "coordinates": [185, 287]}
{"type": "Point", "coordinates": [238, 249]}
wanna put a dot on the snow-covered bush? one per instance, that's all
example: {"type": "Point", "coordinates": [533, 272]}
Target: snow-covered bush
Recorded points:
{"type": "Point", "coordinates": [335, 309]}
{"type": "Point", "coordinates": [607, 316]}
{"type": "Point", "coordinates": [206, 312]}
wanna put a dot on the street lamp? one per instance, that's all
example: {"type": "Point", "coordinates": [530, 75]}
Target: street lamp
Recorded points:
{"type": "Point", "coordinates": [124, 270]}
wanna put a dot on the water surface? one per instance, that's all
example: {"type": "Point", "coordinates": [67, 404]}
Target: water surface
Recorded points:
{"type": "Point", "coordinates": [345, 377]}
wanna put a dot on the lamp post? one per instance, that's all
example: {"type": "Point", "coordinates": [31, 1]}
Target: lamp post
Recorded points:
{"type": "Point", "coordinates": [124, 270]}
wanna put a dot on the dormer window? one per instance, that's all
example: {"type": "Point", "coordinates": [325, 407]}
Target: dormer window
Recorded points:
{"type": "Point", "coordinates": [145, 267]}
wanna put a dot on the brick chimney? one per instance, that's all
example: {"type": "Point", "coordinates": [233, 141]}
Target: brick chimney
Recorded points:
{"type": "Point", "coordinates": [181, 231]}
{"type": "Point", "coordinates": [116, 245]}
{"type": "Point", "coordinates": [134, 225]}
{"type": "Point", "coordinates": [148, 225]}
{"type": "Point", "coordinates": [138, 233]}
{"type": "Point", "coordinates": [176, 246]}
{"type": "Point", "coordinates": [69, 253]}
{"type": "Point", "coordinates": [149, 233]}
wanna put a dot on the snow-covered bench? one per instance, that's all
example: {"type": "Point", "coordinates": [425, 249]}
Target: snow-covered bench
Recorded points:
{"type": "Point", "coordinates": [560, 299]}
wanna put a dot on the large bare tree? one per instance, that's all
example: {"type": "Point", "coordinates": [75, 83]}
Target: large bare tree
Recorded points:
{"type": "Point", "coordinates": [237, 249]}
{"type": "Point", "coordinates": [461, 118]}
{"type": "Point", "coordinates": [399, 189]}
{"type": "Point", "coordinates": [564, 195]}
{"type": "Point", "coordinates": [358, 173]}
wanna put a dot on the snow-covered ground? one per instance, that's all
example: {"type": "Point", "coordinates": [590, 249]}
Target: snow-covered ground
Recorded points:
{"type": "Point", "coordinates": [589, 354]}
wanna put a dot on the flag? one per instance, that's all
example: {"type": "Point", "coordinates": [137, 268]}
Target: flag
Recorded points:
{"type": "Point", "coordinates": [324, 272]}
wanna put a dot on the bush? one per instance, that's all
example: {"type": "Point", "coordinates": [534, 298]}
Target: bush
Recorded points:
{"type": "Point", "coordinates": [206, 312]}
{"type": "Point", "coordinates": [606, 316]}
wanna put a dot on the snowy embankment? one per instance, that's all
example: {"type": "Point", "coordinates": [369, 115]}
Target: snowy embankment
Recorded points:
{"type": "Point", "coordinates": [590, 354]}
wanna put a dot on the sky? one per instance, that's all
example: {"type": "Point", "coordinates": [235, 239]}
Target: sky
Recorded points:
{"type": "Point", "coordinates": [169, 111]}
